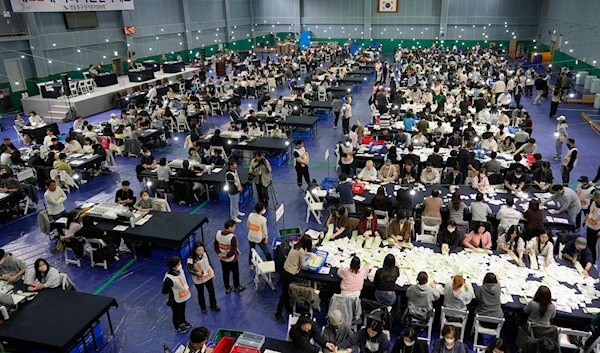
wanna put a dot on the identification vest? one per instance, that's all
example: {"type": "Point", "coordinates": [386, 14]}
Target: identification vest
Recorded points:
{"type": "Point", "coordinates": [568, 157]}
{"type": "Point", "coordinates": [592, 220]}
{"type": "Point", "coordinates": [181, 290]}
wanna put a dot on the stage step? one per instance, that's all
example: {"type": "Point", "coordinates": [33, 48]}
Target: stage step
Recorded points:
{"type": "Point", "coordinates": [57, 112]}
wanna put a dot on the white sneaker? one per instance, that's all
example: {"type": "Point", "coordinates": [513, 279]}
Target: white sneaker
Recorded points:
{"type": "Point", "coordinates": [237, 220]}
{"type": "Point", "coordinates": [241, 214]}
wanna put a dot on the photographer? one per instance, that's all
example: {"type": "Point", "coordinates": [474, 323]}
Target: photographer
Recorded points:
{"type": "Point", "coordinates": [260, 169]}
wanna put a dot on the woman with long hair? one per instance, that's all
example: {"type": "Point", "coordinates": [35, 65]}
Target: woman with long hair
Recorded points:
{"type": "Point", "coordinates": [457, 208]}
{"type": "Point", "coordinates": [512, 243]}
{"type": "Point", "coordinates": [43, 276]}
{"type": "Point", "coordinates": [385, 281]}
{"type": "Point", "coordinates": [202, 274]}
{"type": "Point", "coordinates": [353, 278]}
{"type": "Point", "coordinates": [540, 309]}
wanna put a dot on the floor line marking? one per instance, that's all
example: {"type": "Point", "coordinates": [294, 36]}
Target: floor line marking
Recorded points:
{"type": "Point", "coordinates": [199, 207]}
{"type": "Point", "coordinates": [114, 277]}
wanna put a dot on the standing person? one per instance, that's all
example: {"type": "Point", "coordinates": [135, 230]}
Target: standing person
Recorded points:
{"type": "Point", "coordinates": [257, 232]}
{"type": "Point", "coordinates": [261, 168]}
{"type": "Point", "coordinates": [347, 115]}
{"type": "Point", "coordinates": [569, 201]}
{"type": "Point", "coordinates": [336, 106]}
{"type": "Point", "coordinates": [569, 162]}
{"type": "Point", "coordinates": [346, 153]}
{"type": "Point", "coordinates": [592, 223]}
{"type": "Point", "coordinates": [584, 191]}
{"type": "Point", "coordinates": [293, 263]}
{"type": "Point", "coordinates": [555, 101]}
{"type": "Point", "coordinates": [226, 246]}
{"type": "Point", "coordinates": [55, 198]}
{"type": "Point", "coordinates": [176, 288]}
{"type": "Point", "coordinates": [301, 160]}
{"type": "Point", "coordinates": [561, 135]}
{"type": "Point", "coordinates": [344, 188]}
{"type": "Point", "coordinates": [234, 187]}
{"type": "Point", "coordinates": [198, 264]}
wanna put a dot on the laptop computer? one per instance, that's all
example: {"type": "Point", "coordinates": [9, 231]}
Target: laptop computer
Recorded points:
{"type": "Point", "coordinates": [11, 300]}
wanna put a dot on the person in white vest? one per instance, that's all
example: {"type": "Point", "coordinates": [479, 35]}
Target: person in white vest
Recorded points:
{"type": "Point", "coordinates": [226, 246]}
{"type": "Point", "coordinates": [176, 288]}
{"type": "Point", "coordinates": [258, 235]}
{"type": "Point", "coordinates": [198, 265]}
{"type": "Point", "coordinates": [301, 160]}
{"type": "Point", "coordinates": [584, 191]}
{"type": "Point", "coordinates": [592, 223]}
{"type": "Point", "coordinates": [569, 162]}
{"type": "Point", "coordinates": [346, 116]}
{"type": "Point", "coordinates": [569, 201]}
{"type": "Point", "coordinates": [234, 188]}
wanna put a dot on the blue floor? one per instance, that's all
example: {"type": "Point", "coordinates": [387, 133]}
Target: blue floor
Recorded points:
{"type": "Point", "coordinates": [143, 321]}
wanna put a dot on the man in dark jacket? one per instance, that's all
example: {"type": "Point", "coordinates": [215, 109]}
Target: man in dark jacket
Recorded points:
{"type": "Point", "coordinates": [305, 330]}
{"type": "Point", "coordinates": [540, 85]}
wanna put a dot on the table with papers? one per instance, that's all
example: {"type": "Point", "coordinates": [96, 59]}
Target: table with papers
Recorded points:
{"type": "Point", "coordinates": [575, 297]}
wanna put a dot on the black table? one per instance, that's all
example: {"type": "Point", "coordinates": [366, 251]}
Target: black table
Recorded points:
{"type": "Point", "coordinates": [341, 89]}
{"type": "Point", "coordinates": [173, 67]}
{"type": "Point", "coordinates": [38, 133]}
{"type": "Point", "coordinates": [319, 105]}
{"type": "Point", "coordinates": [265, 144]}
{"type": "Point", "coordinates": [298, 121]}
{"type": "Point", "coordinates": [55, 92]}
{"type": "Point", "coordinates": [31, 328]}
{"type": "Point", "coordinates": [140, 75]}
{"type": "Point", "coordinates": [137, 98]}
{"type": "Point", "coordinates": [170, 229]}
{"type": "Point", "coordinates": [107, 79]}
{"type": "Point", "coordinates": [353, 79]}
{"type": "Point", "coordinates": [280, 346]}
{"type": "Point", "coordinates": [576, 315]}
{"type": "Point", "coordinates": [153, 65]}
{"type": "Point", "coordinates": [362, 72]}
{"type": "Point", "coordinates": [145, 136]}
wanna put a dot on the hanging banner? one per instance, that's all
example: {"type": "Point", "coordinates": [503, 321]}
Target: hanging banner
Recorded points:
{"type": "Point", "coordinates": [70, 5]}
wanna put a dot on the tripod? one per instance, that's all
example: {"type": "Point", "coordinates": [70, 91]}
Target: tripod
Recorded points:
{"type": "Point", "coordinates": [272, 195]}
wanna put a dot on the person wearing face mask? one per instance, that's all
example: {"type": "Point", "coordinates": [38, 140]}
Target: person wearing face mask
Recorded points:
{"type": "Point", "coordinates": [409, 343]}
{"type": "Point", "coordinates": [400, 228]}
{"type": "Point", "coordinates": [43, 276]}
{"type": "Point", "coordinates": [197, 343]}
{"type": "Point", "coordinates": [148, 161]}
{"type": "Point", "coordinates": [257, 232]}
{"type": "Point", "coordinates": [592, 222]}
{"type": "Point", "coordinates": [578, 253]}
{"type": "Point", "coordinates": [368, 340]}
{"type": "Point", "coordinates": [145, 203]}
{"type": "Point", "coordinates": [498, 346]}
{"type": "Point", "coordinates": [541, 246]}
{"type": "Point", "coordinates": [176, 288]}
{"type": "Point", "coordinates": [449, 342]}
{"type": "Point", "coordinates": [336, 331]}
{"type": "Point", "coordinates": [449, 236]}
{"type": "Point", "coordinates": [304, 331]}
{"type": "Point", "coordinates": [198, 265]}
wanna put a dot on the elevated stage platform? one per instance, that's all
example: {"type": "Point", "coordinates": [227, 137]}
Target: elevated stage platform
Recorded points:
{"type": "Point", "coordinates": [98, 101]}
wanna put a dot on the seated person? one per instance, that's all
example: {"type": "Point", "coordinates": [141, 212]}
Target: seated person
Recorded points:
{"type": "Point", "coordinates": [72, 146]}
{"type": "Point", "coordinates": [337, 331]}
{"type": "Point", "coordinates": [194, 156]}
{"type": "Point", "coordinates": [432, 205]}
{"type": "Point", "coordinates": [515, 180]}
{"type": "Point", "coordinates": [430, 175]}
{"type": "Point", "coordinates": [458, 293]}
{"type": "Point", "coordinates": [56, 145]}
{"type": "Point", "coordinates": [448, 342]}
{"type": "Point", "coordinates": [91, 231]}
{"type": "Point", "coordinates": [435, 159]}
{"type": "Point", "coordinates": [410, 343]}
{"type": "Point", "coordinates": [542, 246]}
{"type": "Point", "coordinates": [422, 295]}
{"type": "Point", "coordinates": [367, 225]}
{"type": "Point", "coordinates": [381, 202]}
{"type": "Point", "coordinates": [124, 196]}
{"type": "Point", "coordinates": [517, 164]}
{"type": "Point", "coordinates": [408, 174]}
{"type": "Point", "coordinates": [43, 276]}
{"type": "Point", "coordinates": [388, 172]}
{"type": "Point", "coordinates": [400, 229]}
{"type": "Point", "coordinates": [145, 203]}
{"type": "Point", "coordinates": [304, 331]}
{"type": "Point", "coordinates": [68, 238]}
{"type": "Point", "coordinates": [455, 177]}
{"type": "Point", "coordinates": [438, 141]}
{"type": "Point", "coordinates": [512, 243]}
{"type": "Point", "coordinates": [88, 146]}
{"type": "Point", "coordinates": [480, 181]}
{"type": "Point", "coordinates": [542, 177]}
{"type": "Point", "coordinates": [341, 226]}
{"type": "Point", "coordinates": [368, 172]}
{"type": "Point", "coordinates": [62, 164]}
{"type": "Point", "coordinates": [216, 158]}
{"type": "Point", "coordinates": [10, 184]}
{"type": "Point", "coordinates": [450, 236]}
{"type": "Point", "coordinates": [478, 238]}
{"type": "Point", "coordinates": [148, 161]}
{"type": "Point", "coordinates": [370, 339]}
{"type": "Point", "coordinates": [11, 268]}
{"type": "Point", "coordinates": [577, 251]}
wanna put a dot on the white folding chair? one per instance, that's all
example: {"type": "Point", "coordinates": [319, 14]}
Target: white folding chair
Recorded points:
{"type": "Point", "coordinates": [262, 268]}
{"type": "Point", "coordinates": [82, 87]}
{"type": "Point", "coordinates": [19, 135]}
{"type": "Point", "coordinates": [383, 218]}
{"type": "Point", "coordinates": [161, 205]}
{"type": "Point", "coordinates": [182, 88]}
{"type": "Point", "coordinates": [182, 123]}
{"type": "Point", "coordinates": [66, 283]}
{"type": "Point", "coordinates": [96, 244]}
{"type": "Point", "coordinates": [215, 108]}
{"type": "Point", "coordinates": [303, 69]}
{"type": "Point", "coordinates": [291, 322]}
{"type": "Point", "coordinates": [484, 330]}
{"type": "Point", "coordinates": [429, 225]}
{"type": "Point", "coordinates": [564, 340]}
{"type": "Point", "coordinates": [73, 89]}
{"type": "Point", "coordinates": [68, 260]}
{"type": "Point", "coordinates": [89, 85]}
{"type": "Point", "coordinates": [86, 75]}
{"type": "Point", "coordinates": [314, 207]}
{"type": "Point", "coordinates": [222, 152]}
{"type": "Point", "coordinates": [455, 314]}
{"type": "Point", "coordinates": [24, 95]}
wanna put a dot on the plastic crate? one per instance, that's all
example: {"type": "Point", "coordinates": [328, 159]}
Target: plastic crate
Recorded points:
{"type": "Point", "coordinates": [302, 134]}
{"type": "Point", "coordinates": [324, 254]}
{"type": "Point", "coordinates": [479, 152]}
{"type": "Point", "coordinates": [278, 240]}
{"type": "Point", "coordinates": [366, 140]}
{"type": "Point", "coordinates": [163, 253]}
{"type": "Point", "coordinates": [358, 188]}
{"type": "Point", "coordinates": [323, 114]}
{"type": "Point", "coordinates": [225, 332]}
{"type": "Point", "coordinates": [242, 349]}
{"type": "Point", "coordinates": [278, 159]}
{"type": "Point", "coordinates": [287, 232]}
{"type": "Point", "coordinates": [329, 183]}
{"type": "Point", "coordinates": [224, 345]}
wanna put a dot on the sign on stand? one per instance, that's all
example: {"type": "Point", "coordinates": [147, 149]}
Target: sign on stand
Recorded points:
{"type": "Point", "coordinates": [279, 212]}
